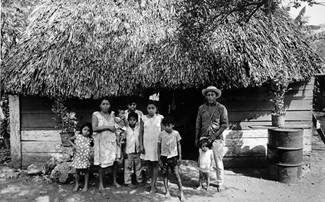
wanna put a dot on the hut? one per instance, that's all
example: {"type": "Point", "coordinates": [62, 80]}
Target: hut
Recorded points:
{"type": "Point", "coordinates": [84, 50]}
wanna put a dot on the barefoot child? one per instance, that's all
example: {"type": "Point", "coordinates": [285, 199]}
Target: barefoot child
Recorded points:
{"type": "Point", "coordinates": [170, 153]}
{"type": "Point", "coordinates": [150, 128]}
{"type": "Point", "coordinates": [205, 163]}
{"type": "Point", "coordinates": [81, 157]}
{"type": "Point", "coordinates": [132, 150]}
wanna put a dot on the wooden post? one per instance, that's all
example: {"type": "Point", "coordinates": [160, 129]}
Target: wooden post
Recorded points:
{"type": "Point", "coordinates": [15, 138]}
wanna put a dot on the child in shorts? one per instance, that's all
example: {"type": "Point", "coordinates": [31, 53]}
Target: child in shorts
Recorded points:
{"type": "Point", "coordinates": [170, 153]}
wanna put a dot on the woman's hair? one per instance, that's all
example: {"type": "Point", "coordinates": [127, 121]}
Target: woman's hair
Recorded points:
{"type": "Point", "coordinates": [102, 99]}
{"type": "Point", "coordinates": [105, 98]}
{"type": "Point", "coordinates": [89, 126]}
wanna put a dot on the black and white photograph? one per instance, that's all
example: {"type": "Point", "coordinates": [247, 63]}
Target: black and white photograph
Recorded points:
{"type": "Point", "coordinates": [162, 101]}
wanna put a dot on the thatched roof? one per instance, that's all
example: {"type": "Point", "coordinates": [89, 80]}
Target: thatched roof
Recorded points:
{"type": "Point", "coordinates": [91, 48]}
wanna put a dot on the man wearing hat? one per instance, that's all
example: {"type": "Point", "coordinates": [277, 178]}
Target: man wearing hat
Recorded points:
{"type": "Point", "coordinates": [211, 121]}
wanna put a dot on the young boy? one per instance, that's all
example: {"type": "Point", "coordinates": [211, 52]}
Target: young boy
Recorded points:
{"type": "Point", "coordinates": [170, 153]}
{"type": "Point", "coordinates": [132, 107]}
{"type": "Point", "coordinates": [132, 150]}
{"type": "Point", "coordinates": [205, 163]}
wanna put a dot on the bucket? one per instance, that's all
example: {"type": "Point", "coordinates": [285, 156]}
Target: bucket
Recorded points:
{"type": "Point", "coordinates": [285, 154]}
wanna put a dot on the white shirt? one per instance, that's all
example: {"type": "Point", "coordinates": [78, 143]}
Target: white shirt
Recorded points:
{"type": "Point", "coordinates": [205, 160]}
{"type": "Point", "coordinates": [132, 140]}
{"type": "Point", "coordinates": [168, 143]}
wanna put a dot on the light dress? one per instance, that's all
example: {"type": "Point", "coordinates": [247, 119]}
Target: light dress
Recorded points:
{"type": "Point", "coordinates": [104, 142]}
{"type": "Point", "coordinates": [81, 157]}
{"type": "Point", "coordinates": [151, 131]}
{"type": "Point", "coordinates": [206, 160]}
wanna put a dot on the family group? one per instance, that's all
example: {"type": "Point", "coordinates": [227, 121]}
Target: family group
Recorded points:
{"type": "Point", "coordinates": [149, 142]}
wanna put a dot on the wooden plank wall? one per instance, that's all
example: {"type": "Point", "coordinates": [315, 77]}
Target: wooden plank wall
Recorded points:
{"type": "Point", "coordinates": [38, 145]}
{"type": "Point", "coordinates": [38, 136]}
{"type": "Point", "coordinates": [244, 146]}
{"type": "Point", "coordinates": [251, 108]}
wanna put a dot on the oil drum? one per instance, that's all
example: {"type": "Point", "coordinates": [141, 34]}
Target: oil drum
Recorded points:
{"type": "Point", "coordinates": [285, 154]}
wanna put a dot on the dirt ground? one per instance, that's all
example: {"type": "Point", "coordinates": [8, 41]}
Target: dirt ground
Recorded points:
{"type": "Point", "coordinates": [240, 185]}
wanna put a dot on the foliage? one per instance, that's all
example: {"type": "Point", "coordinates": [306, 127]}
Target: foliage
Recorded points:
{"type": "Point", "coordinates": [278, 87]}
{"type": "Point", "coordinates": [317, 41]}
{"type": "Point", "coordinates": [65, 120]}
{"type": "Point", "coordinates": [91, 49]}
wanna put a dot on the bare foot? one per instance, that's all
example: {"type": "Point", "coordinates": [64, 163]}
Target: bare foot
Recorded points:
{"type": "Point", "coordinates": [182, 198]}
{"type": "Point", "coordinates": [153, 190]}
{"type": "Point", "coordinates": [75, 188]}
{"type": "Point", "coordinates": [101, 188]}
{"type": "Point", "coordinates": [85, 189]}
{"type": "Point", "coordinates": [131, 186]}
{"type": "Point", "coordinates": [167, 194]}
{"type": "Point", "coordinates": [117, 185]}
{"type": "Point", "coordinates": [219, 189]}
{"type": "Point", "coordinates": [199, 188]}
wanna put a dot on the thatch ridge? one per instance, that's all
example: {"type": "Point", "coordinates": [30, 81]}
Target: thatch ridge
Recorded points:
{"type": "Point", "coordinates": [94, 48]}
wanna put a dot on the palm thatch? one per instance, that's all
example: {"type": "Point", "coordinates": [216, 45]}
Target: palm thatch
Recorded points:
{"type": "Point", "coordinates": [94, 48]}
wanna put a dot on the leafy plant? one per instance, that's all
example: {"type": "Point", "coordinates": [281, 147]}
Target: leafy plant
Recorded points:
{"type": "Point", "coordinates": [278, 87]}
{"type": "Point", "coordinates": [65, 120]}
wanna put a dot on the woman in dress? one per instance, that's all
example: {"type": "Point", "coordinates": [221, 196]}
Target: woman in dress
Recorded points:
{"type": "Point", "coordinates": [104, 141]}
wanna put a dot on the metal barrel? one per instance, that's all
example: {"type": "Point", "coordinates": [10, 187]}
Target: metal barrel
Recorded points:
{"type": "Point", "coordinates": [285, 154]}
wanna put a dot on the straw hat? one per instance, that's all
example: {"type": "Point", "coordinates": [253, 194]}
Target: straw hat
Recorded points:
{"type": "Point", "coordinates": [211, 89]}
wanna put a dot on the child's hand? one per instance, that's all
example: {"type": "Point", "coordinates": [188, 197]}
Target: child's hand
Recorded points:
{"type": "Point", "coordinates": [179, 161]}
{"type": "Point", "coordinates": [196, 142]}
{"type": "Point", "coordinates": [161, 163]}
{"type": "Point", "coordinates": [142, 151]}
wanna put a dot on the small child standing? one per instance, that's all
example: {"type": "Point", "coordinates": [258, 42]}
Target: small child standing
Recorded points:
{"type": "Point", "coordinates": [132, 151]}
{"type": "Point", "coordinates": [170, 153]}
{"type": "Point", "coordinates": [81, 157]}
{"type": "Point", "coordinates": [205, 163]}
{"type": "Point", "coordinates": [149, 132]}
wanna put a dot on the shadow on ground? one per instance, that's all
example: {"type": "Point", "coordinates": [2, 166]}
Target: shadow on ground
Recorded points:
{"type": "Point", "coordinates": [39, 188]}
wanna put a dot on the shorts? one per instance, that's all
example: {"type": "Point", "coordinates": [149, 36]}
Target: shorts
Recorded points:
{"type": "Point", "coordinates": [168, 163]}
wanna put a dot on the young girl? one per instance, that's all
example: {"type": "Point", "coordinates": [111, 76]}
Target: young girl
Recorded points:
{"type": "Point", "coordinates": [150, 128]}
{"type": "Point", "coordinates": [205, 163]}
{"type": "Point", "coordinates": [81, 157]}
